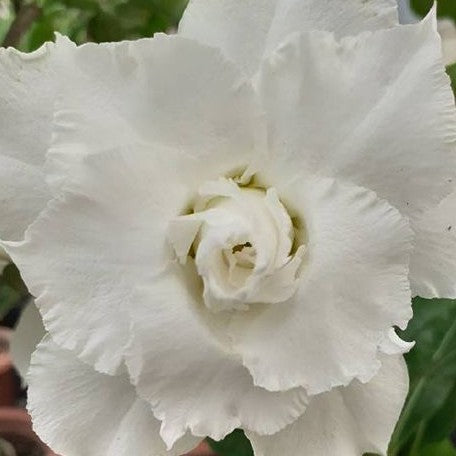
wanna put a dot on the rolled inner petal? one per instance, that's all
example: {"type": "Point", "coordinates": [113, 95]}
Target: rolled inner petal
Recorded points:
{"type": "Point", "coordinates": [242, 239]}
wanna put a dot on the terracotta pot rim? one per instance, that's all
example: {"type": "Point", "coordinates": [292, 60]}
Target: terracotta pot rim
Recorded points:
{"type": "Point", "coordinates": [15, 420]}
{"type": "Point", "coordinates": [15, 424]}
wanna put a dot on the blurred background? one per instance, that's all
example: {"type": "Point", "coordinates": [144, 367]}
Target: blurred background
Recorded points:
{"type": "Point", "coordinates": [28, 24]}
{"type": "Point", "coordinates": [427, 425]}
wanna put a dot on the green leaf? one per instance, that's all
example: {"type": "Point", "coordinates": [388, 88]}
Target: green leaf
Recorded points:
{"type": "Point", "coordinates": [444, 448]}
{"type": "Point", "coordinates": [445, 8]}
{"type": "Point", "coordinates": [81, 4]}
{"type": "Point", "coordinates": [451, 70]}
{"type": "Point", "coordinates": [12, 289]}
{"type": "Point", "coordinates": [443, 422]}
{"type": "Point", "coordinates": [235, 444]}
{"type": "Point", "coordinates": [105, 27]}
{"type": "Point", "coordinates": [12, 277]}
{"type": "Point", "coordinates": [8, 299]}
{"type": "Point", "coordinates": [432, 368]}
{"type": "Point", "coordinates": [41, 32]}
{"type": "Point", "coordinates": [100, 20]}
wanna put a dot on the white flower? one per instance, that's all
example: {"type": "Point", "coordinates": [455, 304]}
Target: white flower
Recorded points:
{"type": "Point", "coordinates": [226, 220]}
{"type": "Point", "coordinates": [447, 30]}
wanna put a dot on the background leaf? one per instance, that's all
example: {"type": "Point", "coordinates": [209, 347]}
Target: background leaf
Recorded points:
{"type": "Point", "coordinates": [12, 289]}
{"type": "Point", "coordinates": [235, 444]}
{"type": "Point", "coordinates": [444, 448]}
{"type": "Point", "coordinates": [430, 411]}
{"type": "Point", "coordinates": [451, 70]}
{"type": "Point", "coordinates": [445, 8]}
{"type": "Point", "coordinates": [102, 20]}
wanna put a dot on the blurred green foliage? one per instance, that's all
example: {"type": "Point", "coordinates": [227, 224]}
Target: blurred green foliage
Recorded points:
{"type": "Point", "coordinates": [444, 448]}
{"type": "Point", "coordinates": [93, 20]}
{"type": "Point", "coordinates": [445, 8]}
{"type": "Point", "coordinates": [236, 444]}
{"type": "Point", "coordinates": [12, 289]}
{"type": "Point", "coordinates": [451, 70]}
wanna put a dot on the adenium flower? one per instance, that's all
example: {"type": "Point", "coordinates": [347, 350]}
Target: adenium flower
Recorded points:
{"type": "Point", "coordinates": [223, 228]}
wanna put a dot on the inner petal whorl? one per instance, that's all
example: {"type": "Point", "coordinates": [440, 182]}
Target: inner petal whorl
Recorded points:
{"type": "Point", "coordinates": [242, 241]}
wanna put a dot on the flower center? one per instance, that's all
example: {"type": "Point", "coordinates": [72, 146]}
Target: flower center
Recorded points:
{"type": "Point", "coordinates": [242, 240]}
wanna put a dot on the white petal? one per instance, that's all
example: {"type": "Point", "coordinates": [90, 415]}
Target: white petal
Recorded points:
{"type": "Point", "coordinates": [166, 93]}
{"type": "Point", "coordinates": [182, 364]}
{"type": "Point", "coordinates": [78, 411]}
{"type": "Point", "coordinates": [149, 98]}
{"type": "Point", "coordinates": [26, 336]}
{"type": "Point", "coordinates": [433, 264]}
{"type": "Point", "coordinates": [347, 421]}
{"type": "Point", "coordinates": [394, 345]}
{"type": "Point", "coordinates": [354, 288]}
{"type": "Point", "coordinates": [376, 110]}
{"type": "Point", "coordinates": [88, 249]}
{"type": "Point", "coordinates": [181, 233]}
{"type": "Point", "coordinates": [247, 29]}
{"type": "Point", "coordinates": [26, 109]}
